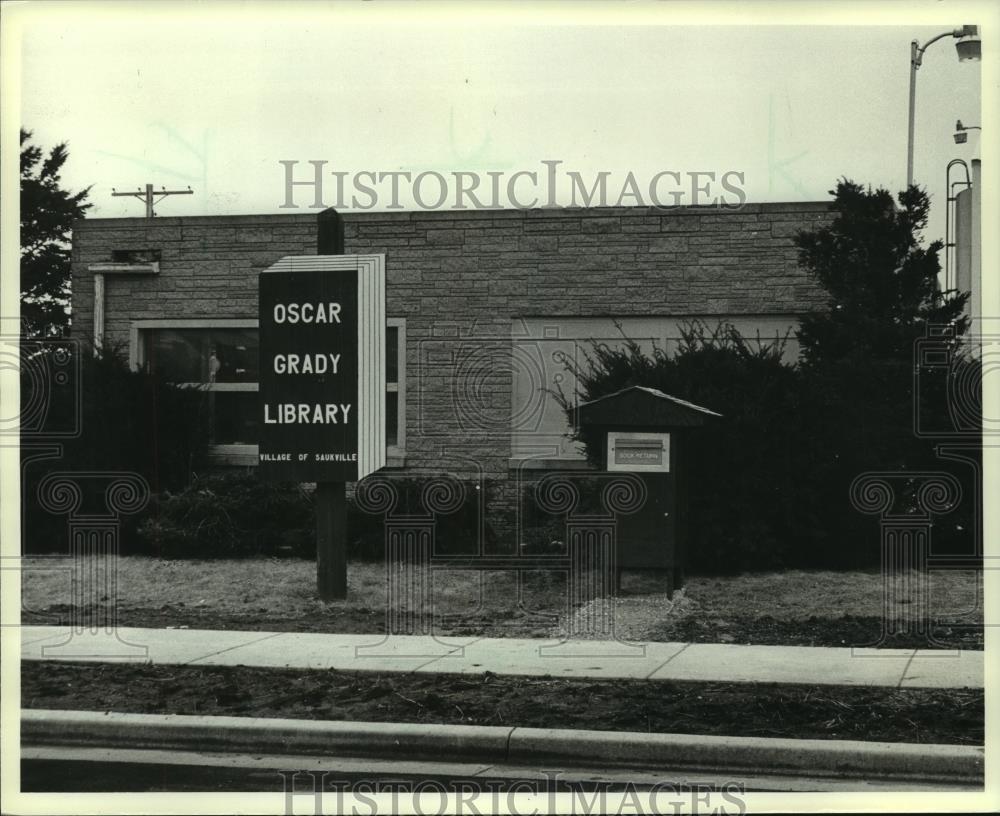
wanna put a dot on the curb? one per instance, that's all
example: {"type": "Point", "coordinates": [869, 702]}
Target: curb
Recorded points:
{"type": "Point", "coordinates": [536, 747]}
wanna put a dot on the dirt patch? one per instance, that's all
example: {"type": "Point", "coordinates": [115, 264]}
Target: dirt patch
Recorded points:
{"type": "Point", "coordinates": [846, 630]}
{"type": "Point", "coordinates": [499, 623]}
{"type": "Point", "coordinates": [952, 716]}
{"type": "Point", "coordinates": [169, 616]}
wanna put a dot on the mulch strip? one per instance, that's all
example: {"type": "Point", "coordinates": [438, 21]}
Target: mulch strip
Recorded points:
{"type": "Point", "coordinates": [954, 716]}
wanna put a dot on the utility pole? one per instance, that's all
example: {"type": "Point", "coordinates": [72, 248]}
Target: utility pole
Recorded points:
{"type": "Point", "coordinates": [147, 196]}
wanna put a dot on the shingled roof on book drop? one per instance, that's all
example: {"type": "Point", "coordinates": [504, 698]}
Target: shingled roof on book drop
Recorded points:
{"type": "Point", "coordinates": [639, 406]}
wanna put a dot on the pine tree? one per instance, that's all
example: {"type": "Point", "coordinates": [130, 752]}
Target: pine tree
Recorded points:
{"type": "Point", "coordinates": [47, 215]}
{"type": "Point", "coordinates": [883, 285]}
{"type": "Point", "coordinates": [857, 357]}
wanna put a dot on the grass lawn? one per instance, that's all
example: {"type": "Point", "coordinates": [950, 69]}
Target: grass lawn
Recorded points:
{"type": "Point", "coordinates": [797, 607]}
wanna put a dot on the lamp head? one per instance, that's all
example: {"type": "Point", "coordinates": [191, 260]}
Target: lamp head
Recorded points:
{"type": "Point", "coordinates": [969, 45]}
{"type": "Point", "coordinates": [961, 137]}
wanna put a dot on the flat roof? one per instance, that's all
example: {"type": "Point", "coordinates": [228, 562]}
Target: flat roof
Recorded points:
{"type": "Point", "coordinates": [311, 214]}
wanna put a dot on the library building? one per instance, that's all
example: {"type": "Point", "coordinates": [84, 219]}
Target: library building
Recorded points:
{"type": "Point", "coordinates": [485, 311]}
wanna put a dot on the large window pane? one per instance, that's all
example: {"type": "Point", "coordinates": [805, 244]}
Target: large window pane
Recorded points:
{"type": "Point", "coordinates": [203, 355]}
{"type": "Point", "coordinates": [224, 356]}
{"type": "Point", "coordinates": [235, 418]}
{"type": "Point", "coordinates": [391, 419]}
{"type": "Point", "coordinates": [391, 354]}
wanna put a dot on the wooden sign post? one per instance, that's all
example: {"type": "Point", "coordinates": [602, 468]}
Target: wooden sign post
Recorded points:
{"type": "Point", "coordinates": [322, 388]}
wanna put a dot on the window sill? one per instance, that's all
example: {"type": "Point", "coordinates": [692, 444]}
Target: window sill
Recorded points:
{"type": "Point", "coordinates": [233, 455]}
{"type": "Point", "coordinates": [247, 456]}
{"type": "Point", "coordinates": [112, 268]}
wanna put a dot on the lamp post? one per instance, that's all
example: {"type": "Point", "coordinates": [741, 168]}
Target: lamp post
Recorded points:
{"type": "Point", "coordinates": [961, 137]}
{"type": "Point", "coordinates": [969, 47]}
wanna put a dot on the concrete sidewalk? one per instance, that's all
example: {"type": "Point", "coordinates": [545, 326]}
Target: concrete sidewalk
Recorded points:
{"type": "Point", "coordinates": [892, 668]}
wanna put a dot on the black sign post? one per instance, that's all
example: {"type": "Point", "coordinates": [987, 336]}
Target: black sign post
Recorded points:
{"type": "Point", "coordinates": [331, 541]}
{"type": "Point", "coordinates": [322, 386]}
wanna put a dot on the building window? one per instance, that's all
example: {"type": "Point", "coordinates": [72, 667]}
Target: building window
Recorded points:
{"type": "Point", "coordinates": [395, 386]}
{"type": "Point", "coordinates": [136, 256]}
{"type": "Point", "coordinates": [222, 357]}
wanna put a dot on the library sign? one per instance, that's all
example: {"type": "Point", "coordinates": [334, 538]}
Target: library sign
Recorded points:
{"type": "Point", "coordinates": [322, 368]}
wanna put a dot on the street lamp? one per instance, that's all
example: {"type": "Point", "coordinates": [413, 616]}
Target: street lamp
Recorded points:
{"type": "Point", "coordinates": [961, 137]}
{"type": "Point", "coordinates": [969, 47]}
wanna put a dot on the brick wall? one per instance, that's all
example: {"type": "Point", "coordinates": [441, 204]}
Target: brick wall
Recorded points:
{"type": "Point", "coordinates": [459, 278]}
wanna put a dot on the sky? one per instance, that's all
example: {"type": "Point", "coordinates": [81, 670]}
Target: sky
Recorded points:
{"type": "Point", "coordinates": [216, 95]}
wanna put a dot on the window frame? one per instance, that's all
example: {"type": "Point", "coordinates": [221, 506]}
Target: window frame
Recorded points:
{"type": "Point", "coordinates": [248, 454]}
{"type": "Point", "coordinates": [396, 454]}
